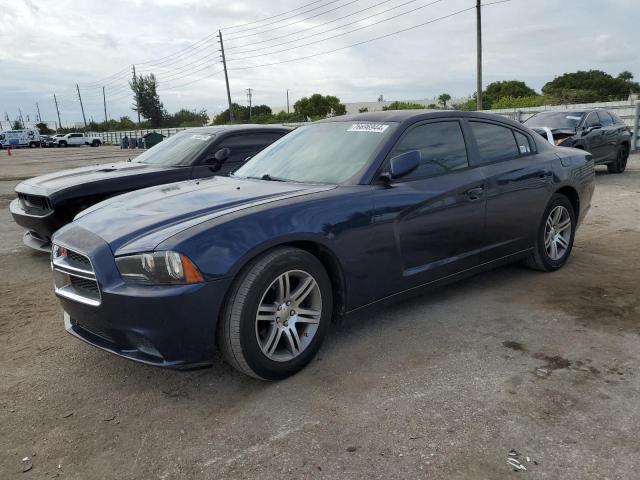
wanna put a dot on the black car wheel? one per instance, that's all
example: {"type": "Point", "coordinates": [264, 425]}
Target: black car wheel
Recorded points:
{"type": "Point", "coordinates": [554, 239]}
{"type": "Point", "coordinates": [95, 143]}
{"type": "Point", "coordinates": [62, 143]}
{"type": "Point", "coordinates": [33, 144]}
{"type": "Point", "coordinates": [277, 314]}
{"type": "Point", "coordinates": [620, 163]}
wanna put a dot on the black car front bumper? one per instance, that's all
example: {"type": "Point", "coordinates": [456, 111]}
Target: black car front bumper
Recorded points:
{"type": "Point", "coordinates": [40, 226]}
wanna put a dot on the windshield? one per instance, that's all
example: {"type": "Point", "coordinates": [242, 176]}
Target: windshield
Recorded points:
{"type": "Point", "coordinates": [331, 152]}
{"type": "Point", "coordinates": [180, 149]}
{"type": "Point", "coordinates": [555, 120]}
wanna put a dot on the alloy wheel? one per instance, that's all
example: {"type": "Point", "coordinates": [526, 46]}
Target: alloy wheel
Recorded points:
{"type": "Point", "coordinates": [288, 315]}
{"type": "Point", "coordinates": [557, 233]}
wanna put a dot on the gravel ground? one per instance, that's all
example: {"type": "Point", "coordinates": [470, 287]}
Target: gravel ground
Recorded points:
{"type": "Point", "coordinates": [442, 386]}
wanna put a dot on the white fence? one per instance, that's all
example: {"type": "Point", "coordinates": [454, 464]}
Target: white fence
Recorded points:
{"type": "Point", "coordinates": [628, 110]}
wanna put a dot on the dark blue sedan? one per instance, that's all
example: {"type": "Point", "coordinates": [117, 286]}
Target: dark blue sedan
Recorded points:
{"type": "Point", "coordinates": [337, 216]}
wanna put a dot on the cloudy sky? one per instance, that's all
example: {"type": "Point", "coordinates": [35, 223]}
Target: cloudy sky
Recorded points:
{"type": "Point", "coordinates": [47, 46]}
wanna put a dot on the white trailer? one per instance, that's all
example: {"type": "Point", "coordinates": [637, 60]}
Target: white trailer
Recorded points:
{"type": "Point", "coordinates": [26, 137]}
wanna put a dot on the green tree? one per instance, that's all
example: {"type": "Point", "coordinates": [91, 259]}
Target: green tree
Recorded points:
{"type": "Point", "coordinates": [17, 125]}
{"type": "Point", "coordinates": [505, 88]}
{"type": "Point", "coordinates": [43, 128]}
{"type": "Point", "coordinates": [627, 76]}
{"type": "Point", "coordinates": [590, 85]}
{"type": "Point", "coordinates": [443, 99]}
{"type": "Point", "coordinates": [403, 106]}
{"type": "Point", "coordinates": [259, 114]}
{"type": "Point", "coordinates": [319, 106]}
{"type": "Point", "coordinates": [187, 118]}
{"type": "Point", "coordinates": [146, 99]}
{"type": "Point", "coordinates": [363, 110]}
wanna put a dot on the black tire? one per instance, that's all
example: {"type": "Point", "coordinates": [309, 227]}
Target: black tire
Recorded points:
{"type": "Point", "coordinates": [620, 163]}
{"type": "Point", "coordinates": [62, 143]}
{"type": "Point", "coordinates": [95, 143]}
{"type": "Point", "coordinates": [32, 145]}
{"type": "Point", "coordinates": [540, 258]}
{"type": "Point", "coordinates": [237, 338]}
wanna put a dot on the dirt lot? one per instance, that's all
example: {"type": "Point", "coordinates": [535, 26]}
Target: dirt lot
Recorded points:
{"type": "Point", "coordinates": [443, 386]}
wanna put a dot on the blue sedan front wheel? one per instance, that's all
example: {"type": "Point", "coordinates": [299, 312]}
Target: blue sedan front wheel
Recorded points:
{"type": "Point", "coordinates": [277, 314]}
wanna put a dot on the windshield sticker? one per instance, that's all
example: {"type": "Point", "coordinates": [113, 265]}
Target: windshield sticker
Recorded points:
{"type": "Point", "coordinates": [368, 127]}
{"type": "Point", "coordinates": [571, 117]}
{"type": "Point", "coordinates": [200, 137]}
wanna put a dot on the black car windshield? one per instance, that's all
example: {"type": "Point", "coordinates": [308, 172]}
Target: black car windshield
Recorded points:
{"type": "Point", "coordinates": [178, 150]}
{"type": "Point", "coordinates": [328, 152]}
{"type": "Point", "coordinates": [555, 120]}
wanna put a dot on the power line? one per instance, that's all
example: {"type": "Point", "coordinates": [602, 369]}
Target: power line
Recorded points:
{"type": "Point", "coordinates": [367, 41]}
{"type": "Point", "coordinates": [273, 16]}
{"type": "Point", "coordinates": [340, 34]}
{"type": "Point", "coordinates": [294, 23]}
{"type": "Point", "coordinates": [337, 28]}
{"type": "Point", "coordinates": [288, 35]}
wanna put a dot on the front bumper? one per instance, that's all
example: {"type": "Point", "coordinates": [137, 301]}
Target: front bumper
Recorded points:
{"type": "Point", "coordinates": [168, 326]}
{"type": "Point", "coordinates": [40, 228]}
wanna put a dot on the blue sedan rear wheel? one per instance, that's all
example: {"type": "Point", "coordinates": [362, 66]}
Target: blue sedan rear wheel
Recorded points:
{"type": "Point", "coordinates": [277, 314]}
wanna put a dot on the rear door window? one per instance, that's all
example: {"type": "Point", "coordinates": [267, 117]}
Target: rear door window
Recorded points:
{"type": "Point", "coordinates": [246, 145]}
{"type": "Point", "coordinates": [524, 146]}
{"type": "Point", "coordinates": [441, 145]}
{"type": "Point", "coordinates": [605, 119]}
{"type": "Point", "coordinates": [495, 142]}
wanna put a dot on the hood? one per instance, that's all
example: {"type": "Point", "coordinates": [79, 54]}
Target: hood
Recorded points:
{"type": "Point", "coordinates": [140, 220]}
{"type": "Point", "coordinates": [52, 183]}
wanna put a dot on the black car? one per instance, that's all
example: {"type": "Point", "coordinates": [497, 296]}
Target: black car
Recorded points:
{"type": "Point", "coordinates": [48, 202]}
{"type": "Point", "coordinates": [601, 132]}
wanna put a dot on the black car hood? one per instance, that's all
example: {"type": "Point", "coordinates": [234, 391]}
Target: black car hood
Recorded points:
{"type": "Point", "coordinates": [140, 220]}
{"type": "Point", "coordinates": [52, 183]}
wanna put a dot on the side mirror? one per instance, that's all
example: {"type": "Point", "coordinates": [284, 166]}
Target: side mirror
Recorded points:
{"type": "Point", "coordinates": [403, 164]}
{"type": "Point", "coordinates": [222, 155]}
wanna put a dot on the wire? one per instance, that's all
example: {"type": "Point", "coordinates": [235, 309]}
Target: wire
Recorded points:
{"type": "Point", "coordinates": [339, 34]}
{"type": "Point", "coordinates": [316, 26]}
{"type": "Point", "coordinates": [292, 23]}
{"type": "Point", "coordinates": [287, 18]}
{"type": "Point", "coordinates": [368, 41]}
{"type": "Point", "coordinates": [273, 16]}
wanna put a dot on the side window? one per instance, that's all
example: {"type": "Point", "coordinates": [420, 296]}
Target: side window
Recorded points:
{"type": "Point", "coordinates": [605, 118]}
{"type": "Point", "coordinates": [242, 146]}
{"type": "Point", "coordinates": [495, 143]}
{"type": "Point", "coordinates": [592, 120]}
{"type": "Point", "coordinates": [441, 145]}
{"type": "Point", "coordinates": [616, 119]}
{"type": "Point", "coordinates": [523, 143]}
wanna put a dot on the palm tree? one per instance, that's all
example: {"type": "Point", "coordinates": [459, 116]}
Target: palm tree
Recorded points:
{"type": "Point", "coordinates": [443, 99]}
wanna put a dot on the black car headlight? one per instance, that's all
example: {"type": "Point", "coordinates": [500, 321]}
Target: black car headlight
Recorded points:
{"type": "Point", "coordinates": [158, 268]}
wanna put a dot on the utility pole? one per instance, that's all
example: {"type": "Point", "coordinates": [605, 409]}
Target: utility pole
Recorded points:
{"type": "Point", "coordinates": [137, 102]}
{"type": "Point", "coordinates": [249, 95]}
{"type": "Point", "coordinates": [479, 51]}
{"type": "Point", "coordinates": [226, 77]}
{"type": "Point", "coordinates": [104, 101]}
{"type": "Point", "coordinates": [82, 108]}
{"type": "Point", "coordinates": [287, 100]}
{"type": "Point", "coordinates": [57, 110]}
{"type": "Point", "coordinates": [39, 117]}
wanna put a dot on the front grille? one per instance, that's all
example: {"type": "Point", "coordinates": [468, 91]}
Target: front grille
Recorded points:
{"type": "Point", "coordinates": [78, 260]}
{"type": "Point", "coordinates": [74, 277]}
{"type": "Point", "coordinates": [84, 284]}
{"type": "Point", "coordinates": [34, 204]}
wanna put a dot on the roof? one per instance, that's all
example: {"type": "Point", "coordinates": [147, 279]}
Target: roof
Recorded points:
{"type": "Point", "coordinates": [410, 116]}
{"type": "Point", "coordinates": [239, 127]}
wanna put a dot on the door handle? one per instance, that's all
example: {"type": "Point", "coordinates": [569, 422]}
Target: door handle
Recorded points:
{"type": "Point", "coordinates": [474, 193]}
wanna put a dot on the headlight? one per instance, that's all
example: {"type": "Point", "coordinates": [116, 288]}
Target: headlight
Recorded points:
{"type": "Point", "coordinates": [158, 268]}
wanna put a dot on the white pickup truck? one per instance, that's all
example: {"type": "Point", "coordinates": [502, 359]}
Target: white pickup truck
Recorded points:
{"type": "Point", "coordinates": [75, 139]}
